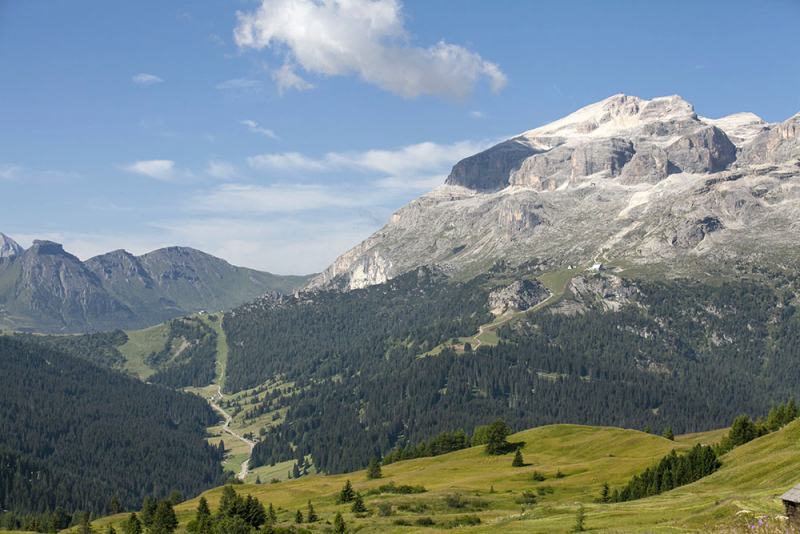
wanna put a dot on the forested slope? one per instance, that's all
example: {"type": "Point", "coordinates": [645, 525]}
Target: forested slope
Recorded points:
{"type": "Point", "coordinates": [75, 434]}
{"type": "Point", "coordinates": [679, 353]}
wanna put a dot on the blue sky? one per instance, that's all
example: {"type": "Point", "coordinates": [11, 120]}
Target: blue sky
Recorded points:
{"type": "Point", "coordinates": [278, 134]}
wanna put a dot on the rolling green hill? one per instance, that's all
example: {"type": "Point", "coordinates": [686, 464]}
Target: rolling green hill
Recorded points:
{"type": "Point", "coordinates": [750, 479]}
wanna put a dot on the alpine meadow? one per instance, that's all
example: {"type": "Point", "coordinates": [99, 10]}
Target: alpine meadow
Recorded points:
{"type": "Point", "coordinates": [591, 325]}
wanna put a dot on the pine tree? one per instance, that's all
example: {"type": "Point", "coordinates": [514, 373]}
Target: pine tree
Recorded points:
{"type": "Point", "coordinates": [580, 520]}
{"type": "Point", "coordinates": [202, 509]}
{"type": "Point", "coordinates": [258, 480]}
{"type": "Point", "coordinates": [175, 497]}
{"type": "Point", "coordinates": [339, 526]}
{"type": "Point", "coordinates": [518, 461]}
{"type": "Point", "coordinates": [298, 517]}
{"type": "Point", "coordinates": [296, 471]}
{"type": "Point", "coordinates": [111, 529]}
{"type": "Point", "coordinates": [669, 434]}
{"type": "Point", "coordinates": [148, 511]}
{"type": "Point", "coordinates": [605, 494]}
{"type": "Point", "coordinates": [85, 524]}
{"type": "Point", "coordinates": [165, 521]}
{"type": "Point", "coordinates": [116, 506]}
{"type": "Point", "coordinates": [272, 517]}
{"type": "Point", "coordinates": [358, 504]}
{"type": "Point", "coordinates": [374, 469]}
{"type": "Point", "coordinates": [497, 434]}
{"type": "Point", "coordinates": [132, 525]}
{"type": "Point", "coordinates": [311, 516]}
{"type": "Point", "coordinates": [347, 493]}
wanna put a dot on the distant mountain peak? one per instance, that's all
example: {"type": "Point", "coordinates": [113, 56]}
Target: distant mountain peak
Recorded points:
{"type": "Point", "coordinates": [9, 248]}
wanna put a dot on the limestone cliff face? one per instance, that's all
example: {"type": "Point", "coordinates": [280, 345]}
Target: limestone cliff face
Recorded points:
{"type": "Point", "coordinates": [650, 181]}
{"type": "Point", "coordinates": [9, 248]}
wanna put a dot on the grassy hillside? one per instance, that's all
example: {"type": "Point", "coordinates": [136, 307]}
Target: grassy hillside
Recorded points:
{"type": "Point", "coordinates": [751, 478]}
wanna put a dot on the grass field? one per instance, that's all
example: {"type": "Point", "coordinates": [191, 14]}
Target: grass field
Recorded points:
{"type": "Point", "coordinates": [751, 478]}
{"type": "Point", "coordinates": [140, 344]}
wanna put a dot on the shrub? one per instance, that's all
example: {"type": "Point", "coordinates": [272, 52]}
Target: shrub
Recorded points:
{"type": "Point", "coordinates": [527, 497]}
{"type": "Point", "coordinates": [463, 521]}
{"type": "Point", "coordinates": [537, 476]}
{"type": "Point", "coordinates": [402, 522]}
{"type": "Point", "coordinates": [425, 522]}
{"type": "Point", "coordinates": [384, 510]}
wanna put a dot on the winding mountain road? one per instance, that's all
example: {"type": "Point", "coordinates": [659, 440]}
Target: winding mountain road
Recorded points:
{"type": "Point", "coordinates": [226, 428]}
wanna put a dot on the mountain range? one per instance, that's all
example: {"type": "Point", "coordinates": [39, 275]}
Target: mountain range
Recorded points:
{"type": "Point", "coordinates": [649, 184]}
{"type": "Point", "coordinates": [46, 289]}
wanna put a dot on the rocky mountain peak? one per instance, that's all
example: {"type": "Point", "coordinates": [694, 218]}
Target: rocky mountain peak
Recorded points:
{"type": "Point", "coordinates": [647, 180]}
{"type": "Point", "coordinates": [9, 248]}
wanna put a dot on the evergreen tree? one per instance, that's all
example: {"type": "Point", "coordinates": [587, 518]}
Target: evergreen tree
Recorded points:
{"type": "Point", "coordinates": [295, 471]}
{"type": "Point", "coordinates": [605, 494]}
{"type": "Point", "coordinates": [227, 501]}
{"type": "Point", "coordinates": [116, 506]}
{"type": "Point", "coordinates": [311, 516]}
{"type": "Point", "coordinates": [298, 517]}
{"type": "Point", "coordinates": [132, 525]}
{"type": "Point", "coordinates": [202, 509]}
{"type": "Point", "coordinates": [165, 521]}
{"type": "Point", "coordinates": [518, 461]}
{"type": "Point", "coordinates": [347, 494]}
{"type": "Point", "coordinates": [669, 434]}
{"type": "Point", "coordinates": [272, 517]}
{"type": "Point", "coordinates": [258, 480]}
{"type": "Point", "coordinates": [175, 497]}
{"type": "Point", "coordinates": [647, 429]}
{"type": "Point", "coordinates": [255, 515]}
{"type": "Point", "coordinates": [148, 511]}
{"type": "Point", "coordinates": [85, 526]}
{"type": "Point", "coordinates": [497, 434]}
{"type": "Point", "coordinates": [358, 504]}
{"type": "Point", "coordinates": [580, 520]}
{"type": "Point", "coordinates": [61, 519]}
{"type": "Point", "coordinates": [374, 469]}
{"type": "Point", "coordinates": [339, 526]}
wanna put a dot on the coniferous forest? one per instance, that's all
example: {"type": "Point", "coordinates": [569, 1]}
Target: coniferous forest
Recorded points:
{"type": "Point", "coordinates": [683, 354]}
{"type": "Point", "coordinates": [75, 435]}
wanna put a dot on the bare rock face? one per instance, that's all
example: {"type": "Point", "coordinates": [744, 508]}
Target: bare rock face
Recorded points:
{"type": "Point", "coordinates": [648, 181]}
{"type": "Point", "coordinates": [9, 248]}
{"type": "Point", "coordinates": [520, 295]}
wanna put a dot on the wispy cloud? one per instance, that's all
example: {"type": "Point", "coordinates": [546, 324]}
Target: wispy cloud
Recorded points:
{"type": "Point", "coordinates": [418, 160]}
{"type": "Point", "coordinates": [216, 39]}
{"type": "Point", "coordinates": [221, 170]}
{"type": "Point", "coordinates": [146, 79]}
{"type": "Point", "coordinates": [239, 83]}
{"type": "Point", "coordinates": [276, 198]}
{"type": "Point", "coordinates": [285, 78]}
{"type": "Point", "coordinates": [9, 172]}
{"type": "Point", "coordinates": [160, 169]}
{"type": "Point", "coordinates": [255, 128]}
{"type": "Point", "coordinates": [366, 38]}
{"type": "Point", "coordinates": [478, 115]}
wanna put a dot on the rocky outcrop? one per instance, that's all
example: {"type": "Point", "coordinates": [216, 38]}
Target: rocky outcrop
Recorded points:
{"type": "Point", "coordinates": [9, 248]}
{"type": "Point", "coordinates": [519, 295]}
{"type": "Point", "coordinates": [649, 181]}
{"type": "Point", "coordinates": [656, 138]}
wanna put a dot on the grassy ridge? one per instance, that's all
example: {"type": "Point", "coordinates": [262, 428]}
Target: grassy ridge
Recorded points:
{"type": "Point", "coordinates": [751, 478]}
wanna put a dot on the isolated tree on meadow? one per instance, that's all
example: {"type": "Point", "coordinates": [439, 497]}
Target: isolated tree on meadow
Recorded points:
{"type": "Point", "coordinates": [272, 517]}
{"type": "Point", "coordinates": [358, 504]}
{"type": "Point", "coordinates": [347, 494]}
{"type": "Point", "coordinates": [311, 516]}
{"type": "Point", "coordinates": [518, 461]}
{"type": "Point", "coordinates": [165, 521]}
{"type": "Point", "coordinates": [497, 434]}
{"type": "Point", "coordinates": [374, 469]}
{"type": "Point", "coordinates": [669, 434]}
{"type": "Point", "coordinates": [339, 526]}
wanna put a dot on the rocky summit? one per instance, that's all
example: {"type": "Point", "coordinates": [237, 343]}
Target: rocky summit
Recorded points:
{"type": "Point", "coordinates": [645, 183]}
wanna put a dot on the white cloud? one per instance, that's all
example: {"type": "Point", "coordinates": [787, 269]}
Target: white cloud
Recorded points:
{"type": "Point", "coordinates": [478, 115]}
{"type": "Point", "coordinates": [9, 172]}
{"type": "Point", "coordinates": [146, 79]}
{"type": "Point", "coordinates": [216, 39]}
{"type": "Point", "coordinates": [221, 170]}
{"type": "Point", "coordinates": [239, 83]}
{"type": "Point", "coordinates": [421, 160]}
{"type": "Point", "coordinates": [255, 128]}
{"type": "Point", "coordinates": [160, 169]}
{"type": "Point", "coordinates": [286, 78]}
{"type": "Point", "coordinates": [366, 38]}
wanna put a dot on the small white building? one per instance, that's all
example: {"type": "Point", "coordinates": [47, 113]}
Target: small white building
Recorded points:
{"type": "Point", "coordinates": [597, 267]}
